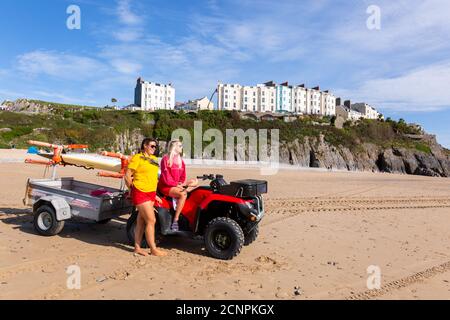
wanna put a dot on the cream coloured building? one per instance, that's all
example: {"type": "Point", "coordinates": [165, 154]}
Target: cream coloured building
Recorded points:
{"type": "Point", "coordinates": [249, 96]}
{"type": "Point", "coordinates": [366, 110]}
{"type": "Point", "coordinates": [328, 103]}
{"type": "Point", "coordinates": [348, 114]}
{"type": "Point", "coordinates": [267, 95]}
{"type": "Point", "coordinates": [229, 97]}
{"type": "Point", "coordinates": [151, 96]}
{"type": "Point", "coordinates": [313, 102]}
{"type": "Point", "coordinates": [299, 99]}
{"type": "Point", "coordinates": [197, 104]}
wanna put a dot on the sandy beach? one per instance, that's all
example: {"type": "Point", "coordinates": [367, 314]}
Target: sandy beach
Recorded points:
{"type": "Point", "coordinates": [321, 232]}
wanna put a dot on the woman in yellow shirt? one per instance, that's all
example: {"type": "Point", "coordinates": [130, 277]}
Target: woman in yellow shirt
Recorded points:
{"type": "Point", "coordinates": [142, 179]}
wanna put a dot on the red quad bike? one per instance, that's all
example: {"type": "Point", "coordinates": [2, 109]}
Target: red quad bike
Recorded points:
{"type": "Point", "coordinates": [226, 216]}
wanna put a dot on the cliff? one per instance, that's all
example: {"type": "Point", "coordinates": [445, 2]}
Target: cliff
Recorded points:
{"type": "Point", "coordinates": [316, 152]}
{"type": "Point", "coordinates": [367, 145]}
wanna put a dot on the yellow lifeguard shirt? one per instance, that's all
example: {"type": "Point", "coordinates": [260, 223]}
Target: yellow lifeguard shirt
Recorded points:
{"type": "Point", "coordinates": [145, 176]}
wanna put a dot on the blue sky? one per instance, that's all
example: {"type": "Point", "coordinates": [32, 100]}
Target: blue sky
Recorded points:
{"type": "Point", "coordinates": [403, 69]}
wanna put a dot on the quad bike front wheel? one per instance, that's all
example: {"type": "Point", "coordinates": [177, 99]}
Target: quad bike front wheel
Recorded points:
{"type": "Point", "coordinates": [252, 235]}
{"type": "Point", "coordinates": [224, 238]}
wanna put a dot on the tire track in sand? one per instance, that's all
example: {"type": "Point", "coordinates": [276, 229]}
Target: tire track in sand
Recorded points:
{"type": "Point", "coordinates": [282, 209]}
{"type": "Point", "coordinates": [401, 283]}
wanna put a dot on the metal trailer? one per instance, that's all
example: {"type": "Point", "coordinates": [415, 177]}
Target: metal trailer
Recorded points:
{"type": "Point", "coordinates": [56, 200]}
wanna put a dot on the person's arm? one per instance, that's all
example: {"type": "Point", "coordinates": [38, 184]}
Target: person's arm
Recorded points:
{"type": "Point", "coordinates": [166, 174]}
{"type": "Point", "coordinates": [132, 166]}
{"type": "Point", "coordinates": [129, 178]}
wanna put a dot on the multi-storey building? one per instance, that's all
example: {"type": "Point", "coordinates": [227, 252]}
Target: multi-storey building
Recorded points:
{"type": "Point", "coordinates": [299, 99]}
{"type": "Point", "coordinates": [267, 96]}
{"type": "Point", "coordinates": [328, 104]}
{"type": "Point", "coordinates": [284, 98]}
{"type": "Point", "coordinates": [249, 96]}
{"type": "Point", "coordinates": [367, 110]}
{"type": "Point", "coordinates": [313, 101]}
{"type": "Point", "coordinates": [229, 96]}
{"type": "Point", "coordinates": [271, 97]}
{"type": "Point", "coordinates": [197, 104]}
{"type": "Point", "coordinates": [154, 96]}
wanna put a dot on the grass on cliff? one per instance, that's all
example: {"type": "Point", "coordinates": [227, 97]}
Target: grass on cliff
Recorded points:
{"type": "Point", "coordinates": [99, 127]}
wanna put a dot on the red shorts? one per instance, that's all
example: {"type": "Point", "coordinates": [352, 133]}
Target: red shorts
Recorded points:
{"type": "Point", "coordinates": [165, 190]}
{"type": "Point", "coordinates": [138, 197]}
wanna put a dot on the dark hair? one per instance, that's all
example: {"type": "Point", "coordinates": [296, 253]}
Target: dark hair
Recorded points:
{"type": "Point", "coordinates": [146, 142]}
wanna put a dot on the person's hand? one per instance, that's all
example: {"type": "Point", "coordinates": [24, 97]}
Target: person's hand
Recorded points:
{"type": "Point", "coordinates": [158, 199]}
{"type": "Point", "coordinates": [193, 182]}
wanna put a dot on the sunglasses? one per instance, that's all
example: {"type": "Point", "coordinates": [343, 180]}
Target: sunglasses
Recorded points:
{"type": "Point", "coordinates": [153, 146]}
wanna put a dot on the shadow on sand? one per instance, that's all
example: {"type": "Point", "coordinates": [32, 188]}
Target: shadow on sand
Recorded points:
{"type": "Point", "coordinates": [110, 234]}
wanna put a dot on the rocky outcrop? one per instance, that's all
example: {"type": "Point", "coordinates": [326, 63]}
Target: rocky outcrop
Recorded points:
{"type": "Point", "coordinates": [317, 153]}
{"type": "Point", "coordinates": [27, 106]}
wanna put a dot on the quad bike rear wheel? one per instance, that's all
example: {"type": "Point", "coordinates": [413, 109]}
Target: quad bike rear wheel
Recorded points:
{"type": "Point", "coordinates": [224, 238]}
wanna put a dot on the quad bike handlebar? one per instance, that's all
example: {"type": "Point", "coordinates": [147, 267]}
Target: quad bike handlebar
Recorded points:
{"type": "Point", "coordinates": [216, 180]}
{"type": "Point", "coordinates": [206, 177]}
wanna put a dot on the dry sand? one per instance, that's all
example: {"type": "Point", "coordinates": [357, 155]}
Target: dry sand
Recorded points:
{"type": "Point", "coordinates": [321, 232]}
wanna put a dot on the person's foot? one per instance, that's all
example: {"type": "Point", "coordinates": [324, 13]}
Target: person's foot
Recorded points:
{"type": "Point", "coordinates": [141, 252]}
{"type": "Point", "coordinates": [158, 253]}
{"type": "Point", "coordinates": [175, 226]}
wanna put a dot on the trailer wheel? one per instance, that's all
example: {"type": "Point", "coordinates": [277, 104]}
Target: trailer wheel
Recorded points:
{"type": "Point", "coordinates": [45, 221]}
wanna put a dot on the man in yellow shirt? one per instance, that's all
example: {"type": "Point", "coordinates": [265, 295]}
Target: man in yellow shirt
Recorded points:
{"type": "Point", "coordinates": [142, 179]}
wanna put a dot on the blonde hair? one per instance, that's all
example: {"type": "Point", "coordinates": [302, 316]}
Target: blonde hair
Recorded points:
{"type": "Point", "coordinates": [172, 155]}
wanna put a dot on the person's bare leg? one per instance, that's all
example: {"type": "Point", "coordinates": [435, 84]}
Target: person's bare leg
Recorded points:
{"type": "Point", "coordinates": [181, 197]}
{"type": "Point", "coordinates": [180, 204]}
{"type": "Point", "coordinates": [139, 234]}
{"type": "Point", "coordinates": [150, 221]}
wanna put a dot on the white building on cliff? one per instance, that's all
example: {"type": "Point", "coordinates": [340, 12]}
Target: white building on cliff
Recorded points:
{"type": "Point", "coordinates": [272, 97]}
{"type": "Point", "coordinates": [151, 96]}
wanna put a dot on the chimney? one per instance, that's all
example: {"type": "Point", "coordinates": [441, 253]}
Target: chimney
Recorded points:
{"type": "Point", "coordinates": [347, 103]}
